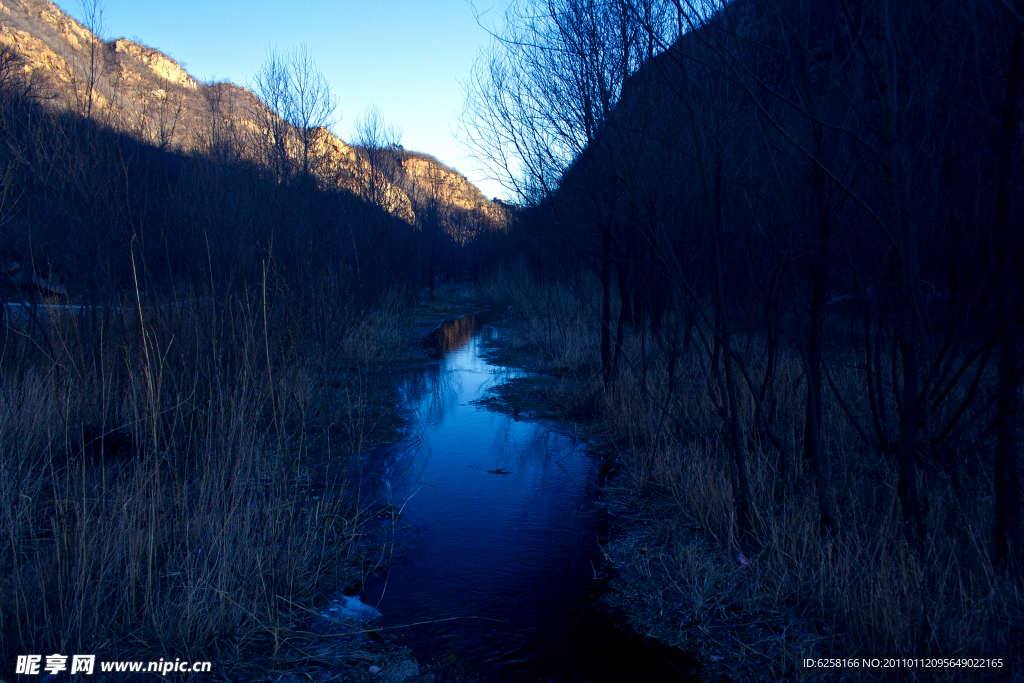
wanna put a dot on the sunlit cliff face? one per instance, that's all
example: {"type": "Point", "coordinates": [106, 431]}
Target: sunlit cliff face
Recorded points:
{"type": "Point", "coordinates": [160, 64]}
{"type": "Point", "coordinates": [143, 92]}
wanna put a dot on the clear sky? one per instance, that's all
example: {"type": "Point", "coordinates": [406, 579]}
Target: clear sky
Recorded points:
{"type": "Point", "coordinates": [408, 57]}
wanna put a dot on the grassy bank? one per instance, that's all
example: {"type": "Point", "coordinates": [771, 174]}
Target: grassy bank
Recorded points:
{"type": "Point", "coordinates": [182, 482]}
{"type": "Point", "coordinates": [865, 592]}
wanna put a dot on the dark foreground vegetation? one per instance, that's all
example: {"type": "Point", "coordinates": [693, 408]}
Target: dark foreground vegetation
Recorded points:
{"type": "Point", "coordinates": [776, 249]}
{"type": "Point", "coordinates": [190, 371]}
{"type": "Point", "coordinates": [770, 250]}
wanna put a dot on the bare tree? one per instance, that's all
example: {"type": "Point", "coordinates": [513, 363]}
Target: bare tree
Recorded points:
{"type": "Point", "coordinates": [376, 175]}
{"type": "Point", "coordinates": [297, 103]}
{"type": "Point", "coordinates": [312, 103]}
{"type": "Point", "coordinates": [537, 105]}
{"type": "Point", "coordinates": [223, 140]}
{"type": "Point", "coordinates": [273, 86]}
{"type": "Point", "coordinates": [92, 16]}
{"type": "Point", "coordinates": [377, 141]}
{"type": "Point", "coordinates": [155, 116]}
{"type": "Point", "coordinates": [538, 97]}
{"type": "Point", "coordinates": [168, 115]}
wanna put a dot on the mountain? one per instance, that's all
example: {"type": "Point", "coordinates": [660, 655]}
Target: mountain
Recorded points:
{"type": "Point", "coordinates": [139, 90]}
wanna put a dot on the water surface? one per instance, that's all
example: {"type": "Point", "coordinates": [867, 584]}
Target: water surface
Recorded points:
{"type": "Point", "coordinates": [502, 534]}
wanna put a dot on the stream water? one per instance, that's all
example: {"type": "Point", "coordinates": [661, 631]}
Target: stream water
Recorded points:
{"type": "Point", "coordinates": [501, 534]}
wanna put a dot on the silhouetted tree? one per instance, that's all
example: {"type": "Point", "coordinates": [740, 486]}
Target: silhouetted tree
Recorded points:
{"type": "Point", "coordinates": [298, 103]}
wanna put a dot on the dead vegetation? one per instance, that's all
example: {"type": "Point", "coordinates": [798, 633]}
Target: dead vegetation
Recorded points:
{"type": "Point", "coordinates": [189, 488]}
{"type": "Point", "coordinates": [674, 554]}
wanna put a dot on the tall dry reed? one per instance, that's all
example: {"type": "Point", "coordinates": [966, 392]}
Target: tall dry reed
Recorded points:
{"type": "Point", "coordinates": [174, 479]}
{"type": "Point", "coordinates": [867, 592]}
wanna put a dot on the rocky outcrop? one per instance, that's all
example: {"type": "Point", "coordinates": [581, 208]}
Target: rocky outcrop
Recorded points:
{"type": "Point", "coordinates": [142, 91]}
{"type": "Point", "coordinates": [428, 177]}
{"type": "Point", "coordinates": [354, 169]}
{"type": "Point", "coordinates": [160, 64]}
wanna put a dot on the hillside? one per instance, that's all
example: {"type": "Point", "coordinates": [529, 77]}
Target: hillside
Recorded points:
{"type": "Point", "coordinates": [138, 90]}
{"type": "Point", "coordinates": [799, 225]}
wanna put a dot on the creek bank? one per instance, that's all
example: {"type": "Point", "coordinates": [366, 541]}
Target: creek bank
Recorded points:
{"type": "Point", "coordinates": [631, 590]}
{"type": "Point", "coordinates": [359, 416]}
{"type": "Point", "coordinates": [667, 578]}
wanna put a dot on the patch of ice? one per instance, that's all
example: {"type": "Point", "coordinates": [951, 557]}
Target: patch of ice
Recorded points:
{"type": "Point", "coordinates": [351, 607]}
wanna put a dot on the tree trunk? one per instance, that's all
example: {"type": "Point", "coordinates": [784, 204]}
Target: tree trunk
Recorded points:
{"type": "Point", "coordinates": [813, 451]}
{"type": "Point", "coordinates": [1007, 476]}
{"type": "Point", "coordinates": [606, 305]}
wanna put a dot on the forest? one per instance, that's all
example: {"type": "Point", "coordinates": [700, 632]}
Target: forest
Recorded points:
{"type": "Point", "coordinates": [769, 252]}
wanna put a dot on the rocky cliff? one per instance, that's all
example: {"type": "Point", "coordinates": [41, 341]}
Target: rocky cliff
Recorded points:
{"type": "Point", "coordinates": [140, 90]}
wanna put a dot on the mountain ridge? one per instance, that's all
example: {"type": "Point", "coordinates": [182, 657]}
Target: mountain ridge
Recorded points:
{"type": "Point", "coordinates": [140, 90]}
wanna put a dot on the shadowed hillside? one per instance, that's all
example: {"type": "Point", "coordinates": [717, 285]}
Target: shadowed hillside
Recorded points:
{"type": "Point", "coordinates": [794, 230]}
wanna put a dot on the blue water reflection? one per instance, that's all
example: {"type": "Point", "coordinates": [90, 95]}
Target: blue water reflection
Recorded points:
{"type": "Point", "coordinates": [501, 535]}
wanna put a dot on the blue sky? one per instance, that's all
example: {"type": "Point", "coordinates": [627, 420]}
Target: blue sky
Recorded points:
{"type": "Point", "coordinates": [408, 57]}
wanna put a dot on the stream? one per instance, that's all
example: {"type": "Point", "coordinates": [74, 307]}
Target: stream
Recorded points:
{"type": "Point", "coordinates": [499, 534]}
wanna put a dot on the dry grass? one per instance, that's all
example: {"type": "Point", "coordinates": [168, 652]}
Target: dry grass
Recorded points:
{"type": "Point", "coordinates": [866, 593]}
{"type": "Point", "coordinates": [178, 484]}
